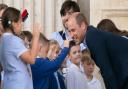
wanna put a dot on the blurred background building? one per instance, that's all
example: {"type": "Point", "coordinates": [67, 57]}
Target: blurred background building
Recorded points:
{"type": "Point", "coordinates": [46, 12]}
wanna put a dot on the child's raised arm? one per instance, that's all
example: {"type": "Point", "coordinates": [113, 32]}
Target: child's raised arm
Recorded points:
{"type": "Point", "coordinates": [30, 55]}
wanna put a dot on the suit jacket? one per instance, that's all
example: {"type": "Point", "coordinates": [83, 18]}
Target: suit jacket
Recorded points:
{"type": "Point", "coordinates": [110, 52]}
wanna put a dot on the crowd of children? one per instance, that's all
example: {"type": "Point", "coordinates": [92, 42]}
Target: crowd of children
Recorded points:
{"type": "Point", "coordinates": [31, 61]}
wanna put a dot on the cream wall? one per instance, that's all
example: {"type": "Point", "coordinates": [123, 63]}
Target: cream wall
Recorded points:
{"type": "Point", "coordinates": [96, 10]}
{"type": "Point", "coordinates": [46, 12]}
{"type": "Point", "coordinates": [116, 10]}
{"type": "Point", "coordinates": [85, 8]}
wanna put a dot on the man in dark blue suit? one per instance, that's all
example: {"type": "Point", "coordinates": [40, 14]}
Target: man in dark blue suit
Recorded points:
{"type": "Point", "coordinates": [109, 51]}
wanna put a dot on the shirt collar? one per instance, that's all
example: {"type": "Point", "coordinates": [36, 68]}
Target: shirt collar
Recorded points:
{"type": "Point", "coordinates": [78, 68]}
{"type": "Point", "coordinates": [7, 33]}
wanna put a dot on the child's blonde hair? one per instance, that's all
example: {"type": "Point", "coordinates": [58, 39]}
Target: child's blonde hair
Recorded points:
{"type": "Point", "coordinates": [43, 40]}
{"type": "Point", "coordinates": [86, 57]}
{"type": "Point", "coordinates": [53, 44]}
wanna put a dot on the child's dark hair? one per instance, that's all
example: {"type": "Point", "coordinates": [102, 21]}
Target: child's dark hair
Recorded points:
{"type": "Point", "coordinates": [27, 34]}
{"type": "Point", "coordinates": [69, 5]}
{"type": "Point", "coordinates": [3, 6]}
{"type": "Point", "coordinates": [10, 15]}
{"type": "Point", "coordinates": [109, 26]}
{"type": "Point", "coordinates": [72, 43]}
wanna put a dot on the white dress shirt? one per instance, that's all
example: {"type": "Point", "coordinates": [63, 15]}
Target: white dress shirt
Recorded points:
{"type": "Point", "coordinates": [94, 83]}
{"type": "Point", "coordinates": [76, 78]}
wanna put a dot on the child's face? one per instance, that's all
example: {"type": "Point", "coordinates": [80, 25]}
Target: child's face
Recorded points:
{"type": "Point", "coordinates": [27, 43]}
{"type": "Point", "coordinates": [88, 67]}
{"type": "Point", "coordinates": [75, 54]}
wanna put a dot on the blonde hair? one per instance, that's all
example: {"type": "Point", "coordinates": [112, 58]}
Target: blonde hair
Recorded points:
{"type": "Point", "coordinates": [54, 42]}
{"type": "Point", "coordinates": [86, 57]}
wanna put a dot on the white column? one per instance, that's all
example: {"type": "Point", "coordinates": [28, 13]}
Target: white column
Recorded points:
{"type": "Point", "coordinates": [49, 17]}
{"type": "Point", "coordinates": [58, 21]}
{"type": "Point", "coordinates": [37, 11]}
{"type": "Point", "coordinates": [8, 2]}
{"type": "Point", "coordinates": [94, 11]}
{"type": "Point", "coordinates": [1, 1]}
{"type": "Point", "coordinates": [42, 15]}
{"type": "Point", "coordinates": [17, 4]}
{"type": "Point", "coordinates": [29, 5]}
{"type": "Point", "coordinates": [85, 8]}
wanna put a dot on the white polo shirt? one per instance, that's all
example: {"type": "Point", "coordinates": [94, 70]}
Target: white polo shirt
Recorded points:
{"type": "Point", "coordinates": [76, 78]}
{"type": "Point", "coordinates": [94, 83]}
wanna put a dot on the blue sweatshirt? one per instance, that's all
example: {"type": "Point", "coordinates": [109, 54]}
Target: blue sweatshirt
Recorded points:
{"type": "Point", "coordinates": [43, 67]}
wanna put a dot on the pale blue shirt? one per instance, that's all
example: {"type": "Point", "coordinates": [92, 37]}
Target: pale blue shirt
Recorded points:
{"type": "Point", "coordinates": [56, 36]}
{"type": "Point", "coordinates": [16, 71]}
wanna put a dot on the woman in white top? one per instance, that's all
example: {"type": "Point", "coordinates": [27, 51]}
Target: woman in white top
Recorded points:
{"type": "Point", "coordinates": [15, 56]}
{"type": "Point", "coordinates": [76, 78]}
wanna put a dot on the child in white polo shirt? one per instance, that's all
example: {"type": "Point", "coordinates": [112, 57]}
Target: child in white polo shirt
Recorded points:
{"type": "Point", "coordinates": [88, 65]}
{"type": "Point", "coordinates": [75, 77]}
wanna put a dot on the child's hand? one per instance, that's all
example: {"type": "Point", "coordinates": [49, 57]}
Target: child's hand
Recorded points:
{"type": "Point", "coordinates": [66, 43]}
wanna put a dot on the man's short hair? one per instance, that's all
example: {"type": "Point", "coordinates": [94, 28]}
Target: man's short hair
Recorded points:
{"type": "Point", "coordinates": [26, 34]}
{"type": "Point", "coordinates": [68, 5]}
{"type": "Point", "coordinates": [80, 17]}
